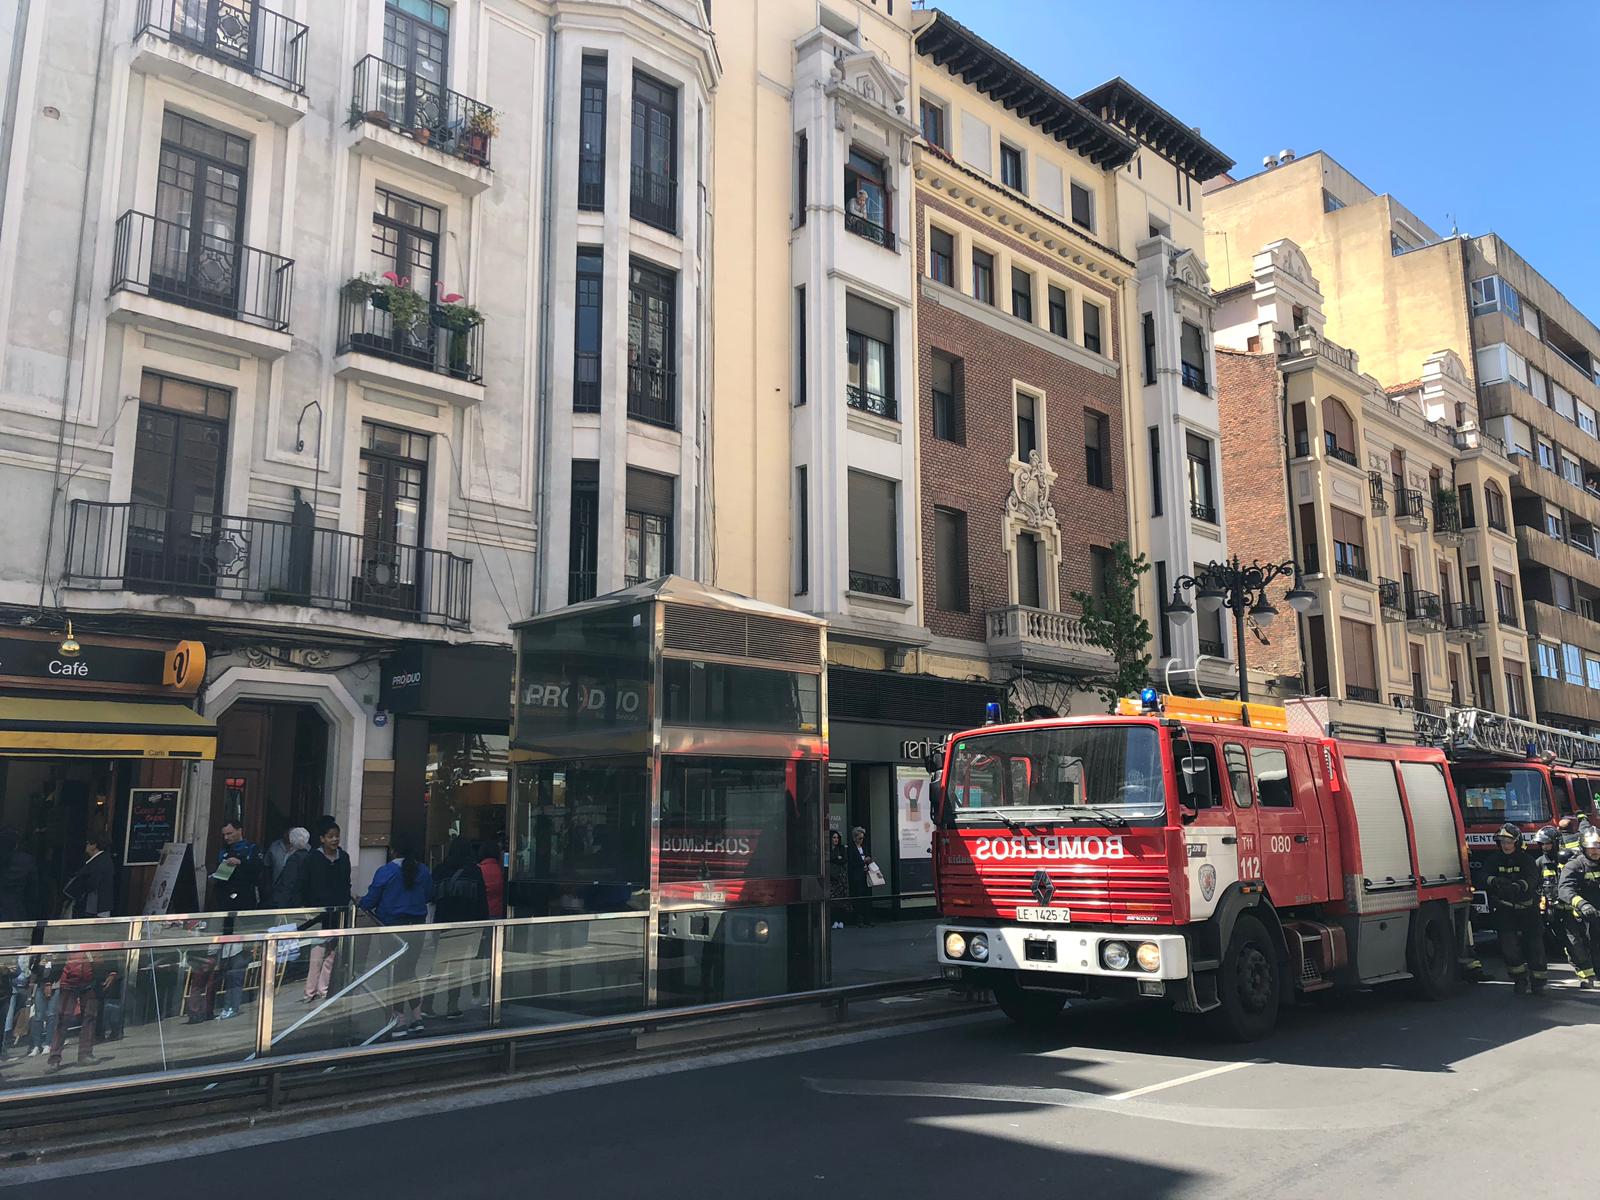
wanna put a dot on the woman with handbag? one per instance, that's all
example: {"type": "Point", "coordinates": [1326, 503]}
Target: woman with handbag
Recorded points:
{"type": "Point", "coordinates": [860, 865]}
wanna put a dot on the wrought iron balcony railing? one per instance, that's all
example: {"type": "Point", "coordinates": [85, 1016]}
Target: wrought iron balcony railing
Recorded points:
{"type": "Point", "coordinates": [586, 382]}
{"type": "Point", "coordinates": [173, 262]}
{"type": "Point", "coordinates": [871, 230]}
{"type": "Point", "coordinates": [653, 395]}
{"type": "Point", "coordinates": [1194, 378]}
{"type": "Point", "coordinates": [396, 97]}
{"type": "Point", "coordinates": [1201, 511]}
{"type": "Point", "coordinates": [1355, 692]}
{"type": "Point", "coordinates": [1424, 608]}
{"type": "Point", "coordinates": [1389, 594]}
{"type": "Point", "coordinates": [653, 199]}
{"type": "Point", "coordinates": [874, 585]}
{"type": "Point", "coordinates": [142, 548]}
{"type": "Point", "coordinates": [434, 344]}
{"type": "Point", "coordinates": [1335, 451]}
{"type": "Point", "coordinates": [239, 33]}
{"type": "Point", "coordinates": [876, 403]}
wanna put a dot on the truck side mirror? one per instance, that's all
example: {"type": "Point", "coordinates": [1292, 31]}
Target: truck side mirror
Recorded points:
{"type": "Point", "coordinates": [933, 761]}
{"type": "Point", "coordinates": [1194, 783]}
{"type": "Point", "coordinates": [936, 803]}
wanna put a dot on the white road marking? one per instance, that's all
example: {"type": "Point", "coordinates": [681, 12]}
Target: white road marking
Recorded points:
{"type": "Point", "coordinates": [1172, 1083]}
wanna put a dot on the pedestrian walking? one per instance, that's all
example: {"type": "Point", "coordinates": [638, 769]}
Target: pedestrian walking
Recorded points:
{"type": "Point", "coordinates": [83, 983]}
{"type": "Point", "coordinates": [459, 896]}
{"type": "Point", "coordinates": [289, 884]}
{"type": "Point", "coordinates": [399, 895]}
{"type": "Point", "coordinates": [838, 878]}
{"type": "Point", "coordinates": [327, 886]}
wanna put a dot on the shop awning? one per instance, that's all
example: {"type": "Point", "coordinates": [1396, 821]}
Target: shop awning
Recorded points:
{"type": "Point", "coordinates": [35, 728]}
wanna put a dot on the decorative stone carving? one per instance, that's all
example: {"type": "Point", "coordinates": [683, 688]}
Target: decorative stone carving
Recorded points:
{"type": "Point", "coordinates": [1029, 501]}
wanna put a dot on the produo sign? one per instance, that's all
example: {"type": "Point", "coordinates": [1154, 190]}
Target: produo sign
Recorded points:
{"type": "Point", "coordinates": [1091, 848]}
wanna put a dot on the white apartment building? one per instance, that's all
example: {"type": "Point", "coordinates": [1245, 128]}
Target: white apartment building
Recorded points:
{"type": "Point", "coordinates": [336, 338]}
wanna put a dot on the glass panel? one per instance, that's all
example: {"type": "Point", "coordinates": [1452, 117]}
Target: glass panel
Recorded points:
{"type": "Point", "coordinates": [1086, 771]}
{"type": "Point", "coordinates": [581, 837]}
{"type": "Point", "coordinates": [731, 697]}
{"type": "Point", "coordinates": [704, 957]}
{"type": "Point", "coordinates": [464, 789]}
{"type": "Point", "coordinates": [585, 673]}
{"type": "Point", "coordinates": [731, 819]}
{"type": "Point", "coordinates": [571, 970]}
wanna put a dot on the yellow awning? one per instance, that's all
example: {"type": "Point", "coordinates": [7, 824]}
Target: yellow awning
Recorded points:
{"type": "Point", "coordinates": [103, 729]}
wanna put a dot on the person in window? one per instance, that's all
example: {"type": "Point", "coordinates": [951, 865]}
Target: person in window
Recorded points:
{"type": "Point", "coordinates": [857, 859]}
{"type": "Point", "coordinates": [859, 204]}
{"type": "Point", "coordinates": [399, 895]}
{"type": "Point", "coordinates": [838, 877]}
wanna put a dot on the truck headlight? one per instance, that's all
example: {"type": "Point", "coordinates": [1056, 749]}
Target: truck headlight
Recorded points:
{"type": "Point", "coordinates": [978, 947]}
{"type": "Point", "coordinates": [955, 946]}
{"type": "Point", "coordinates": [1149, 956]}
{"type": "Point", "coordinates": [1114, 956]}
{"type": "Point", "coordinates": [762, 930]}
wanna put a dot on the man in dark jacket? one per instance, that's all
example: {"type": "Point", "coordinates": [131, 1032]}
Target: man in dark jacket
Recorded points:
{"type": "Point", "coordinates": [91, 889]}
{"type": "Point", "coordinates": [1513, 886]}
{"type": "Point", "coordinates": [1579, 893]}
{"type": "Point", "coordinates": [237, 881]}
{"type": "Point", "coordinates": [289, 888]}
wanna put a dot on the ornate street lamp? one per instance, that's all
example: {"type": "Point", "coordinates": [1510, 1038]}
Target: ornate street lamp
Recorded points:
{"type": "Point", "coordinates": [1242, 588]}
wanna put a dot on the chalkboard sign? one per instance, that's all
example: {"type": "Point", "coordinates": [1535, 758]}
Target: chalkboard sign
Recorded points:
{"type": "Point", "coordinates": [152, 823]}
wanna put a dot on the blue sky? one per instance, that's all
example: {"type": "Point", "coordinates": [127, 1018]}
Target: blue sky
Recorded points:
{"type": "Point", "coordinates": [1487, 114]}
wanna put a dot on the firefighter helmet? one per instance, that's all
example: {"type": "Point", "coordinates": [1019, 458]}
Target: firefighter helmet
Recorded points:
{"type": "Point", "coordinates": [1509, 830]}
{"type": "Point", "coordinates": [1591, 839]}
{"type": "Point", "coordinates": [1547, 837]}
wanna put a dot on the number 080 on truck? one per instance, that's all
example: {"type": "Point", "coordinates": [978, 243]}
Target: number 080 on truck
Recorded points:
{"type": "Point", "coordinates": [1194, 853]}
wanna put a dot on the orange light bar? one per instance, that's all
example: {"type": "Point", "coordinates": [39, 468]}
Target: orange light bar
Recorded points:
{"type": "Point", "coordinates": [1214, 712]}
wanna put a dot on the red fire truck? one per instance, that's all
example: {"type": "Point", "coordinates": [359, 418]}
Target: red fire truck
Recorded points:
{"type": "Point", "coordinates": [1196, 853]}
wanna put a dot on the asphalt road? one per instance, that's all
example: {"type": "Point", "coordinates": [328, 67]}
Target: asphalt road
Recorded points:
{"type": "Point", "coordinates": [1369, 1094]}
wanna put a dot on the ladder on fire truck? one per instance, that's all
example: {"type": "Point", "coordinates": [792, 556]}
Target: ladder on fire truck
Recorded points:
{"type": "Point", "coordinates": [1469, 731]}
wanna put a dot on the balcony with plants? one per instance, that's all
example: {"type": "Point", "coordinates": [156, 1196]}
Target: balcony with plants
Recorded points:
{"type": "Point", "coordinates": [397, 114]}
{"type": "Point", "coordinates": [436, 343]}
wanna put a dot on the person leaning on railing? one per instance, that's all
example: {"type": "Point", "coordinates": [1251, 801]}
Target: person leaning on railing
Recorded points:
{"type": "Point", "coordinates": [326, 886]}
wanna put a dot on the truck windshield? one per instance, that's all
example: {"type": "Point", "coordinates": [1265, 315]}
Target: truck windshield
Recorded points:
{"type": "Point", "coordinates": [1107, 774]}
{"type": "Point", "coordinates": [1495, 795]}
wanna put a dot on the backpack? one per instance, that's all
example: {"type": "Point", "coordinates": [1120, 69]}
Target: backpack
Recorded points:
{"type": "Point", "coordinates": [460, 887]}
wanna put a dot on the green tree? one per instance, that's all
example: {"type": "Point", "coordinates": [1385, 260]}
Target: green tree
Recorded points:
{"type": "Point", "coordinates": [1112, 622]}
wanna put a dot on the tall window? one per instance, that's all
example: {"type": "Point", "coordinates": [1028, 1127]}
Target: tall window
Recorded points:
{"type": "Point", "coordinates": [1356, 645]}
{"type": "Point", "coordinates": [1469, 515]}
{"type": "Point", "coordinates": [1148, 326]}
{"type": "Point", "coordinates": [950, 559]}
{"type": "Point", "coordinates": [394, 489]}
{"type": "Point", "coordinates": [648, 526]}
{"type": "Point", "coordinates": [1202, 491]}
{"type": "Point", "coordinates": [1208, 626]}
{"type": "Point", "coordinates": [1022, 294]}
{"type": "Point", "coordinates": [866, 198]}
{"type": "Point", "coordinates": [1083, 207]}
{"type": "Point", "coordinates": [1097, 449]}
{"type": "Point", "coordinates": [194, 249]}
{"type": "Point", "coordinates": [1339, 432]}
{"type": "Point", "coordinates": [1163, 622]}
{"type": "Point", "coordinates": [405, 242]}
{"type": "Point", "coordinates": [801, 341]}
{"type": "Point", "coordinates": [1059, 322]}
{"type": "Point", "coordinates": [1505, 600]}
{"type": "Point", "coordinates": [416, 45]}
{"type": "Point", "coordinates": [1099, 572]}
{"type": "Point", "coordinates": [874, 535]}
{"type": "Point", "coordinates": [802, 541]}
{"type": "Point", "coordinates": [802, 177]}
{"type": "Point", "coordinates": [179, 462]}
{"type": "Point", "coordinates": [1091, 327]}
{"type": "Point", "coordinates": [652, 344]}
{"type": "Point", "coordinates": [1155, 472]}
{"type": "Point", "coordinates": [949, 399]}
{"type": "Point", "coordinates": [586, 335]}
{"type": "Point", "coordinates": [1030, 592]}
{"type": "Point", "coordinates": [1011, 168]}
{"type": "Point", "coordinates": [592, 134]}
{"type": "Point", "coordinates": [869, 337]}
{"type": "Point", "coordinates": [583, 537]}
{"type": "Point", "coordinates": [1027, 426]}
{"type": "Point", "coordinates": [1194, 358]}
{"type": "Point", "coordinates": [1516, 694]}
{"type": "Point", "coordinates": [1494, 501]}
{"type": "Point", "coordinates": [983, 276]}
{"type": "Point", "coordinates": [1349, 544]}
{"type": "Point", "coordinates": [932, 123]}
{"type": "Point", "coordinates": [941, 256]}
{"type": "Point", "coordinates": [654, 192]}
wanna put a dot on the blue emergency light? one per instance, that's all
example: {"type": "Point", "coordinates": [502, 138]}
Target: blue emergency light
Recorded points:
{"type": "Point", "coordinates": [1150, 700]}
{"type": "Point", "coordinates": [991, 713]}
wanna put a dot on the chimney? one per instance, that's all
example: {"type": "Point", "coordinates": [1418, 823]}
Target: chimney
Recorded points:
{"type": "Point", "coordinates": [1285, 156]}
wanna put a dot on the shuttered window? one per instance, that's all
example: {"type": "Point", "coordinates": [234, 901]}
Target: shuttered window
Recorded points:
{"type": "Point", "coordinates": [1380, 822]}
{"type": "Point", "coordinates": [1355, 645]}
{"type": "Point", "coordinates": [1433, 820]}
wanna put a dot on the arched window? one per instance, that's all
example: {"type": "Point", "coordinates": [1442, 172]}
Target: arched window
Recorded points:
{"type": "Point", "coordinates": [1338, 432]}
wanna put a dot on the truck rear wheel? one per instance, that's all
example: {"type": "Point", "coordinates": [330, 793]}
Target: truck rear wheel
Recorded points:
{"type": "Point", "coordinates": [1432, 954]}
{"type": "Point", "coordinates": [1031, 1010]}
{"type": "Point", "coordinates": [1248, 983]}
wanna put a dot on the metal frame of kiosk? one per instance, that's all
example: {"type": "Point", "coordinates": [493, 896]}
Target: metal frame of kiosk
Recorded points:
{"type": "Point", "coordinates": [669, 754]}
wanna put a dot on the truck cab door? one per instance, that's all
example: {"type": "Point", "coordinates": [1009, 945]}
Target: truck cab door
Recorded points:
{"type": "Point", "coordinates": [1242, 806]}
{"type": "Point", "coordinates": [1211, 840]}
{"type": "Point", "coordinates": [1289, 828]}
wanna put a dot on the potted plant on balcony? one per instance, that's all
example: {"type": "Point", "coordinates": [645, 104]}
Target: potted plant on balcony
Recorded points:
{"type": "Point", "coordinates": [407, 309]}
{"type": "Point", "coordinates": [481, 126]}
{"type": "Point", "coordinates": [458, 318]}
{"type": "Point", "coordinates": [374, 116]}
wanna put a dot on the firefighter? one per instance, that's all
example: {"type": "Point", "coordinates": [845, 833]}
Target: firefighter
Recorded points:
{"type": "Point", "coordinates": [1513, 887]}
{"type": "Point", "coordinates": [1551, 859]}
{"type": "Point", "coordinates": [1579, 892]}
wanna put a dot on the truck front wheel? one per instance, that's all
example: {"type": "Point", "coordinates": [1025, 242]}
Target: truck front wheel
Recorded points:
{"type": "Point", "coordinates": [1031, 1010]}
{"type": "Point", "coordinates": [1247, 983]}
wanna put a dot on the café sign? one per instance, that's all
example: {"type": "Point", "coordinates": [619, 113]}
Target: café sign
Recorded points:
{"type": "Point", "coordinates": [34, 660]}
